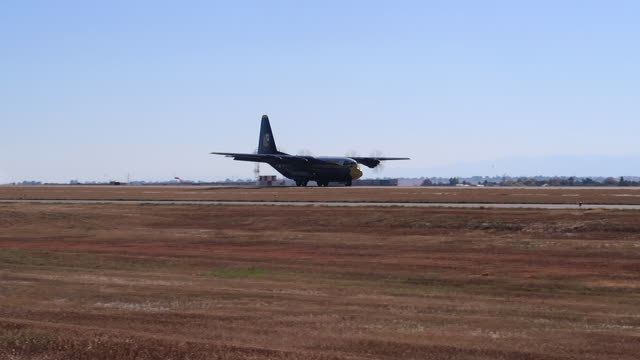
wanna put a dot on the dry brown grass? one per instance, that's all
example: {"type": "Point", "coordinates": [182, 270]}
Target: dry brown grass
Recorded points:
{"type": "Point", "coordinates": [243, 282]}
{"type": "Point", "coordinates": [628, 196]}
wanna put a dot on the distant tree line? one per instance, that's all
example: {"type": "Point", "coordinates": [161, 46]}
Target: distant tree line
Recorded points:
{"type": "Point", "coordinates": [531, 181]}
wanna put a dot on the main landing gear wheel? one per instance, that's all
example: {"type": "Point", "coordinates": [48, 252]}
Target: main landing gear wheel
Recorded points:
{"type": "Point", "coordinates": [301, 182]}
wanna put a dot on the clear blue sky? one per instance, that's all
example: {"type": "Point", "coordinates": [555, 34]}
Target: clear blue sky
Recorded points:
{"type": "Point", "coordinates": [95, 90]}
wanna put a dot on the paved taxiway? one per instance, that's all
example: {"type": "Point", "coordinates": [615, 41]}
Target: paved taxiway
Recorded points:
{"type": "Point", "coordinates": [338, 204]}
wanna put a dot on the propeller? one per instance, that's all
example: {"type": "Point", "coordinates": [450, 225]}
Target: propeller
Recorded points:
{"type": "Point", "coordinates": [256, 169]}
{"type": "Point", "coordinates": [380, 167]}
{"type": "Point", "coordinates": [305, 152]}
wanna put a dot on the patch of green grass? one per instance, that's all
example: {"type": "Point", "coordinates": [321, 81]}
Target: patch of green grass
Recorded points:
{"type": "Point", "coordinates": [425, 291]}
{"type": "Point", "coordinates": [15, 256]}
{"type": "Point", "coordinates": [529, 245]}
{"type": "Point", "coordinates": [78, 260]}
{"type": "Point", "coordinates": [23, 339]}
{"type": "Point", "coordinates": [235, 273]}
{"type": "Point", "coordinates": [49, 259]}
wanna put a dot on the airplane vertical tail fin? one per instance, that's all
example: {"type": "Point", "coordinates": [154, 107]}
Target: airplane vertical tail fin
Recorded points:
{"type": "Point", "coordinates": [266, 143]}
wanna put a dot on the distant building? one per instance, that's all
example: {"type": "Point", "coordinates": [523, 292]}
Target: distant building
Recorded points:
{"type": "Point", "coordinates": [269, 180]}
{"type": "Point", "coordinates": [413, 182]}
{"type": "Point", "coordinates": [32, 182]}
{"type": "Point", "coordinates": [376, 182]}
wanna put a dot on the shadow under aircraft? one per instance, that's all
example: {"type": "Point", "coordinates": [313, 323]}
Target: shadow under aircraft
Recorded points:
{"type": "Point", "coordinates": [303, 169]}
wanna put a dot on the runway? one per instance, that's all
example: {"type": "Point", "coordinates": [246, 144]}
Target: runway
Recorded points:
{"type": "Point", "coordinates": [340, 204]}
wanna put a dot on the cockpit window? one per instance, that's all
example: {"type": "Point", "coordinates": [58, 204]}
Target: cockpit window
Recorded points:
{"type": "Point", "coordinates": [349, 163]}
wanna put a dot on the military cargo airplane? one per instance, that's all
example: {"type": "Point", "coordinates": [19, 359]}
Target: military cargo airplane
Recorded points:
{"type": "Point", "coordinates": [303, 169]}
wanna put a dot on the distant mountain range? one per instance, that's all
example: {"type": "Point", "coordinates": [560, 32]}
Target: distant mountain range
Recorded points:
{"type": "Point", "coordinates": [557, 165]}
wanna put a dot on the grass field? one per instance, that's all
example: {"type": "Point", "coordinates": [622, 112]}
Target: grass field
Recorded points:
{"type": "Point", "coordinates": [628, 196]}
{"type": "Point", "coordinates": [257, 282]}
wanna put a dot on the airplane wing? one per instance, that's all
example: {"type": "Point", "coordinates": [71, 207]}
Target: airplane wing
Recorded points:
{"type": "Point", "coordinates": [266, 157]}
{"type": "Point", "coordinates": [374, 161]}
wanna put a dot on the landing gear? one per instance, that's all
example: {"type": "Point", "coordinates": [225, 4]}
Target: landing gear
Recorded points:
{"type": "Point", "coordinates": [349, 182]}
{"type": "Point", "coordinates": [324, 183]}
{"type": "Point", "coordinates": [301, 183]}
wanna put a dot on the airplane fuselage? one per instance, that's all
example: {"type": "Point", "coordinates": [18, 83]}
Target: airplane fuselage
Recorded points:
{"type": "Point", "coordinates": [327, 169]}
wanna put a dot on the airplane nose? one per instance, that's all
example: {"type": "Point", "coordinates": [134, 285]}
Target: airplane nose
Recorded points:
{"type": "Point", "coordinates": [356, 173]}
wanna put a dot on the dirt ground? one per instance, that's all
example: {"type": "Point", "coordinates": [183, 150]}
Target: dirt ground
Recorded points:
{"type": "Point", "coordinates": [124, 281]}
{"type": "Point", "coordinates": [630, 196]}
